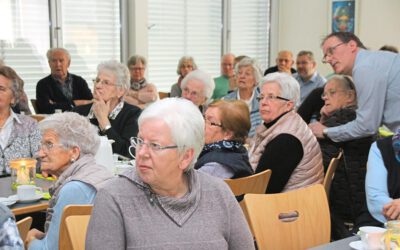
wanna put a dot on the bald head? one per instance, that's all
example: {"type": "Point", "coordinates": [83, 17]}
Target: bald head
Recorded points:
{"type": "Point", "coordinates": [284, 61]}
{"type": "Point", "coordinates": [227, 63]}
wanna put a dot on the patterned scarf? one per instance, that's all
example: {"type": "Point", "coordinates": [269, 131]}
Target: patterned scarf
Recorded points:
{"type": "Point", "coordinates": [396, 144]}
{"type": "Point", "coordinates": [138, 85]}
{"type": "Point", "coordinates": [228, 145]}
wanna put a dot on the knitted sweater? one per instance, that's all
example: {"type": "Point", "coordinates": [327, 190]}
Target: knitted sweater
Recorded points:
{"type": "Point", "coordinates": [310, 170]}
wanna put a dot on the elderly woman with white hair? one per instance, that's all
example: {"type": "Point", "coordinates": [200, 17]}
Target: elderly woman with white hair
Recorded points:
{"type": "Point", "coordinates": [164, 203]}
{"type": "Point", "coordinates": [115, 118]}
{"type": "Point", "coordinates": [67, 151]}
{"type": "Point", "coordinates": [185, 65]}
{"type": "Point", "coordinates": [248, 74]}
{"type": "Point", "coordinates": [284, 143]}
{"type": "Point", "coordinates": [198, 87]}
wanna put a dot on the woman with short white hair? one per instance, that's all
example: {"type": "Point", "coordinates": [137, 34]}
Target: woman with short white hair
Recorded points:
{"type": "Point", "coordinates": [185, 65]}
{"type": "Point", "coordinates": [115, 118]}
{"type": "Point", "coordinates": [284, 143]}
{"type": "Point", "coordinates": [163, 202]}
{"type": "Point", "coordinates": [198, 87]}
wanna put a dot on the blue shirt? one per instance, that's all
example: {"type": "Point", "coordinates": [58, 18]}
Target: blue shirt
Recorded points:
{"type": "Point", "coordinates": [376, 76]}
{"type": "Point", "coordinates": [315, 81]}
{"type": "Point", "coordinates": [376, 187]}
{"type": "Point", "coordinates": [74, 192]}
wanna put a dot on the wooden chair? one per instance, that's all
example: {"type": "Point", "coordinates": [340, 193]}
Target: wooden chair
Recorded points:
{"type": "Point", "coordinates": [330, 172]}
{"type": "Point", "coordinates": [76, 228]}
{"type": "Point", "coordinates": [33, 102]}
{"type": "Point", "coordinates": [253, 184]}
{"type": "Point", "coordinates": [38, 118]}
{"type": "Point", "coordinates": [65, 241]}
{"type": "Point", "coordinates": [163, 95]}
{"type": "Point", "coordinates": [298, 219]}
{"type": "Point", "coordinates": [23, 226]}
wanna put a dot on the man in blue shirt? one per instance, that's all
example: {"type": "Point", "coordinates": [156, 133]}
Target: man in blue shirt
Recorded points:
{"type": "Point", "coordinates": [376, 75]}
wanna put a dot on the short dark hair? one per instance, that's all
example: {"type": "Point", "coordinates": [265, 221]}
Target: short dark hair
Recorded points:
{"type": "Point", "coordinates": [389, 48]}
{"type": "Point", "coordinates": [345, 37]}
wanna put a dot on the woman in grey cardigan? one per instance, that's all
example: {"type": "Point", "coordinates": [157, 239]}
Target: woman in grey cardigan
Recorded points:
{"type": "Point", "coordinates": [163, 203]}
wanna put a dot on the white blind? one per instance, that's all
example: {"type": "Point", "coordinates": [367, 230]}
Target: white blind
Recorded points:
{"type": "Point", "coordinates": [183, 27]}
{"type": "Point", "coordinates": [250, 21]}
{"type": "Point", "coordinates": [91, 33]}
{"type": "Point", "coordinates": [24, 39]}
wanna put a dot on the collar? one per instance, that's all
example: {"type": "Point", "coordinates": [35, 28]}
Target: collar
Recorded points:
{"type": "Point", "coordinates": [271, 123]}
{"type": "Point", "coordinates": [113, 114]}
{"type": "Point", "coordinates": [67, 79]}
{"type": "Point", "coordinates": [14, 116]}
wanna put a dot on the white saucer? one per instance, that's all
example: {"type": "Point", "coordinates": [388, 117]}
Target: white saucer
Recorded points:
{"type": "Point", "coordinates": [8, 201]}
{"type": "Point", "coordinates": [36, 198]}
{"type": "Point", "coordinates": [356, 245]}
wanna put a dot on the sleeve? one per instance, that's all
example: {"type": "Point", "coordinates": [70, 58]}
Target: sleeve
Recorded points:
{"type": "Point", "coordinates": [216, 169]}
{"type": "Point", "coordinates": [106, 226]}
{"type": "Point", "coordinates": [311, 105]}
{"type": "Point", "coordinates": [175, 90]}
{"type": "Point", "coordinates": [9, 236]}
{"type": "Point", "coordinates": [148, 96]}
{"type": "Point", "coordinates": [376, 184]}
{"type": "Point", "coordinates": [84, 92]}
{"type": "Point", "coordinates": [129, 129]}
{"type": "Point", "coordinates": [74, 192]}
{"type": "Point", "coordinates": [371, 94]}
{"type": "Point", "coordinates": [281, 165]}
{"type": "Point", "coordinates": [240, 236]}
{"type": "Point", "coordinates": [34, 140]}
{"type": "Point", "coordinates": [43, 98]}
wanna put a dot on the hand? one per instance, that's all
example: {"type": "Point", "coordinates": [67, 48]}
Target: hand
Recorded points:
{"type": "Point", "coordinates": [101, 109]}
{"type": "Point", "coordinates": [34, 234]}
{"type": "Point", "coordinates": [317, 128]}
{"type": "Point", "coordinates": [391, 211]}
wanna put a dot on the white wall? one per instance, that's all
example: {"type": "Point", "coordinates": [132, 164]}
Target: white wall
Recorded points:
{"type": "Point", "coordinates": [301, 25]}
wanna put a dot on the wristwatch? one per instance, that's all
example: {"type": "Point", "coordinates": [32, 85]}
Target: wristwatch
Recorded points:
{"type": "Point", "coordinates": [325, 133]}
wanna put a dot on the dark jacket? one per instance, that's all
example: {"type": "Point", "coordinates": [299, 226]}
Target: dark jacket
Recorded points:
{"type": "Point", "coordinates": [123, 127]}
{"type": "Point", "coordinates": [47, 90]}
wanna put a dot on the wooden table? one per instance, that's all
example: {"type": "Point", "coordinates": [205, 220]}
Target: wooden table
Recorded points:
{"type": "Point", "coordinates": [23, 208]}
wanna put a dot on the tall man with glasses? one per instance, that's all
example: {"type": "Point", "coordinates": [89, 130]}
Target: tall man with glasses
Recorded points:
{"type": "Point", "coordinates": [61, 89]}
{"type": "Point", "coordinates": [376, 75]}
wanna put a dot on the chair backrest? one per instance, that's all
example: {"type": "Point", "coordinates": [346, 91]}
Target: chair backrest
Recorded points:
{"type": "Point", "coordinates": [253, 184]}
{"type": "Point", "coordinates": [38, 118]}
{"type": "Point", "coordinates": [65, 242]}
{"type": "Point", "coordinates": [163, 95]}
{"type": "Point", "coordinates": [330, 172]}
{"type": "Point", "coordinates": [33, 102]}
{"type": "Point", "coordinates": [76, 228]}
{"type": "Point", "coordinates": [23, 226]}
{"type": "Point", "coordinates": [298, 219]}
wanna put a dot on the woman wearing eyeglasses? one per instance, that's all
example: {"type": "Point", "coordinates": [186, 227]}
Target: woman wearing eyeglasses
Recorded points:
{"type": "Point", "coordinates": [69, 144]}
{"type": "Point", "coordinates": [115, 118]}
{"type": "Point", "coordinates": [347, 193]}
{"type": "Point", "coordinates": [164, 203]}
{"type": "Point", "coordinates": [284, 143]}
{"type": "Point", "coordinates": [227, 126]}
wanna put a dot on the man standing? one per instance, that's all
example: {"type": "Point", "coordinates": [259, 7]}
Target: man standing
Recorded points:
{"type": "Point", "coordinates": [61, 89]}
{"type": "Point", "coordinates": [226, 81]}
{"type": "Point", "coordinates": [307, 74]}
{"type": "Point", "coordinates": [284, 63]}
{"type": "Point", "coordinates": [376, 76]}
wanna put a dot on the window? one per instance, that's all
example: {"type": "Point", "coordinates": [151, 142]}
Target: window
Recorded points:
{"type": "Point", "coordinates": [89, 29]}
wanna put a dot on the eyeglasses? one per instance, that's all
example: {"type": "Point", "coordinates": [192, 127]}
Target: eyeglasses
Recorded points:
{"type": "Point", "coordinates": [139, 142]}
{"type": "Point", "coordinates": [47, 146]}
{"type": "Point", "coordinates": [330, 93]}
{"type": "Point", "coordinates": [271, 97]}
{"type": "Point", "coordinates": [186, 91]}
{"type": "Point", "coordinates": [97, 81]}
{"type": "Point", "coordinates": [137, 69]}
{"type": "Point", "coordinates": [212, 123]}
{"type": "Point", "coordinates": [330, 51]}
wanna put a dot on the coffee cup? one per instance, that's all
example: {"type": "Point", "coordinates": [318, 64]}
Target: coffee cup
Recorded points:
{"type": "Point", "coordinates": [372, 238]}
{"type": "Point", "coordinates": [58, 111]}
{"type": "Point", "coordinates": [27, 192]}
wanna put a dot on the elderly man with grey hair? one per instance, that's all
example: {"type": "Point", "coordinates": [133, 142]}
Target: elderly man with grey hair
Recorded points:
{"type": "Point", "coordinates": [61, 89]}
{"type": "Point", "coordinates": [141, 93]}
{"type": "Point", "coordinates": [248, 74]}
{"type": "Point", "coordinates": [67, 151]}
{"type": "Point", "coordinates": [164, 203]}
{"type": "Point", "coordinates": [198, 87]}
{"type": "Point", "coordinates": [284, 143]}
{"type": "Point", "coordinates": [115, 118]}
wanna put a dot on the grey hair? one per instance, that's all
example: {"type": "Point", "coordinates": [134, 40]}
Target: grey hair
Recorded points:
{"type": "Point", "coordinates": [137, 58]}
{"type": "Point", "coordinates": [73, 130]}
{"type": "Point", "coordinates": [247, 61]}
{"type": "Point", "coordinates": [290, 87]}
{"type": "Point", "coordinates": [50, 52]}
{"type": "Point", "coordinates": [184, 120]}
{"type": "Point", "coordinates": [346, 82]}
{"type": "Point", "coordinates": [120, 71]}
{"type": "Point", "coordinates": [183, 60]}
{"type": "Point", "coordinates": [203, 77]}
{"type": "Point", "coordinates": [307, 53]}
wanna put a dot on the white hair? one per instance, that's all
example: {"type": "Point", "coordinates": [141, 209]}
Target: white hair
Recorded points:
{"type": "Point", "coordinates": [120, 71]}
{"type": "Point", "coordinates": [50, 52]}
{"type": "Point", "coordinates": [184, 120]}
{"type": "Point", "coordinates": [73, 130]}
{"type": "Point", "coordinates": [204, 78]}
{"type": "Point", "coordinates": [290, 87]}
{"type": "Point", "coordinates": [247, 61]}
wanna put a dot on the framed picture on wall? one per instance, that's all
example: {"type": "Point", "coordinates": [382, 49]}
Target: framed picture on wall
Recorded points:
{"type": "Point", "coordinates": [343, 16]}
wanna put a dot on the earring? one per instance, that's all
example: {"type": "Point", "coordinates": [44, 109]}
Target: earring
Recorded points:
{"type": "Point", "coordinates": [72, 160]}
